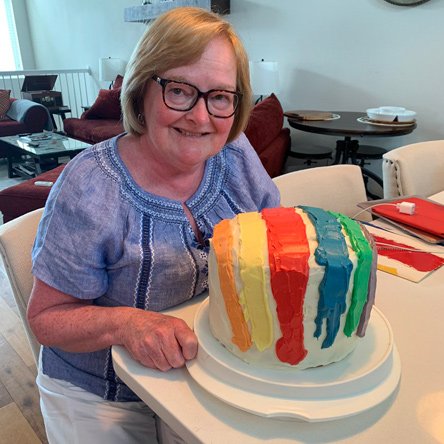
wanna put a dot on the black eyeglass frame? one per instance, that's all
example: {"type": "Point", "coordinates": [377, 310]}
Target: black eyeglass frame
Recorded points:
{"type": "Point", "coordinates": [164, 82]}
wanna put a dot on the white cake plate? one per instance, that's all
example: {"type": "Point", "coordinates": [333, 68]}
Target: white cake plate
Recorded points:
{"type": "Point", "coordinates": [362, 380]}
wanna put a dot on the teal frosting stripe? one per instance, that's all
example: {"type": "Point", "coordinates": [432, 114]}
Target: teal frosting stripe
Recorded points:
{"type": "Point", "coordinates": [361, 277]}
{"type": "Point", "coordinates": [332, 253]}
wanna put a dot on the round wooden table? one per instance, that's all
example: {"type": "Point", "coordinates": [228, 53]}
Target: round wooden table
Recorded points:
{"type": "Point", "coordinates": [348, 126]}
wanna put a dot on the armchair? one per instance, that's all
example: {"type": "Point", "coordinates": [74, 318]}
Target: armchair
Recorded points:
{"type": "Point", "coordinates": [24, 116]}
{"type": "Point", "coordinates": [416, 169]}
{"type": "Point", "coordinates": [16, 240]}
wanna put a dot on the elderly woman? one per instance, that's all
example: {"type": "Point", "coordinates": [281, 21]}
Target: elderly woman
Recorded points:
{"type": "Point", "coordinates": [126, 228]}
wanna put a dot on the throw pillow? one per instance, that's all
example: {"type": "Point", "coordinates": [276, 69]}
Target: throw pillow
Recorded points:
{"type": "Point", "coordinates": [265, 123]}
{"type": "Point", "coordinates": [4, 103]}
{"type": "Point", "coordinates": [118, 82]}
{"type": "Point", "coordinates": [106, 106]}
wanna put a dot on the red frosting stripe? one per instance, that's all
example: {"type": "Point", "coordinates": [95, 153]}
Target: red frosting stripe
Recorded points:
{"type": "Point", "coordinates": [223, 246]}
{"type": "Point", "coordinates": [288, 256]}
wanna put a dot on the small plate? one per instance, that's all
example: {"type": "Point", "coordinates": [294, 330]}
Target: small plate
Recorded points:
{"type": "Point", "coordinates": [309, 115]}
{"type": "Point", "coordinates": [368, 121]}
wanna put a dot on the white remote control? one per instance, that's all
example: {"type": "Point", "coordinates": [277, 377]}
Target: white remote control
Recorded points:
{"type": "Point", "coordinates": [43, 183]}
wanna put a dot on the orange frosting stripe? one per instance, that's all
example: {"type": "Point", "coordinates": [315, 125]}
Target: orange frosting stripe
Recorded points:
{"type": "Point", "coordinates": [288, 255]}
{"type": "Point", "coordinates": [223, 246]}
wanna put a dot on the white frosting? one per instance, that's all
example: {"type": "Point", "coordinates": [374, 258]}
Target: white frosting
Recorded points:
{"type": "Point", "coordinates": [316, 356]}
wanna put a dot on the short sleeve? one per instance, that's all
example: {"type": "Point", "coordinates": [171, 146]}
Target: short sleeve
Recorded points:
{"type": "Point", "coordinates": [77, 233]}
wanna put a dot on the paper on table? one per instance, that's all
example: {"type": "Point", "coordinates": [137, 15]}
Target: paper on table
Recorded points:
{"type": "Point", "coordinates": [393, 257]}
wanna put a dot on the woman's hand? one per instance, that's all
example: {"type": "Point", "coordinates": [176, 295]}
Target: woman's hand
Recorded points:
{"type": "Point", "coordinates": [155, 340]}
{"type": "Point", "coordinates": [158, 341]}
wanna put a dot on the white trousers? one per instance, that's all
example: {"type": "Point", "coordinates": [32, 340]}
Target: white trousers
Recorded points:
{"type": "Point", "coordinates": [74, 416]}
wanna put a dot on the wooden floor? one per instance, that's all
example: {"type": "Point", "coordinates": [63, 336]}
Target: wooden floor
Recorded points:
{"type": "Point", "coordinates": [20, 418]}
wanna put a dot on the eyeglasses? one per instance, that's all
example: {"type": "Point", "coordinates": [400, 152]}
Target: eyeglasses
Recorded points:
{"type": "Point", "coordinates": [181, 96]}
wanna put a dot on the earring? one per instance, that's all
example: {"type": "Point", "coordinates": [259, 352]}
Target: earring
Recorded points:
{"type": "Point", "coordinates": [141, 119]}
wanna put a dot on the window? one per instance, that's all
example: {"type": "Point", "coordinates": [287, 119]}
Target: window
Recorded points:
{"type": "Point", "coordinates": [10, 59]}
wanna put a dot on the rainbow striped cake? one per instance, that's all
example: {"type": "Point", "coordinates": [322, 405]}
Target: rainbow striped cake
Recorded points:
{"type": "Point", "coordinates": [291, 286]}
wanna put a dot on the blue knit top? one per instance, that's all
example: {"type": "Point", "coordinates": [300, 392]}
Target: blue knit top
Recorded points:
{"type": "Point", "coordinates": [104, 238]}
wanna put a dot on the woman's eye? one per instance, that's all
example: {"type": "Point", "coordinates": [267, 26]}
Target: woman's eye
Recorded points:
{"type": "Point", "coordinates": [221, 97]}
{"type": "Point", "coordinates": [221, 100]}
{"type": "Point", "coordinates": [177, 91]}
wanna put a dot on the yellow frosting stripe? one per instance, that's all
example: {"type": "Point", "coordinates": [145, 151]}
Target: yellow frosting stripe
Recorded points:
{"type": "Point", "coordinates": [253, 255]}
{"type": "Point", "coordinates": [223, 246]}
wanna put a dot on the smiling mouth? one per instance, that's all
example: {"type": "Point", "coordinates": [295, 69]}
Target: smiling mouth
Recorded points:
{"type": "Point", "coordinates": [190, 133]}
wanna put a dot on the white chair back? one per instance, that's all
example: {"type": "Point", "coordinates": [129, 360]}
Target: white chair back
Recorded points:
{"type": "Point", "coordinates": [416, 169]}
{"type": "Point", "coordinates": [16, 241]}
{"type": "Point", "coordinates": [337, 188]}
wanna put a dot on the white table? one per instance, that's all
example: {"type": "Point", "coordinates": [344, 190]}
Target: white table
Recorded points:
{"type": "Point", "coordinates": [413, 414]}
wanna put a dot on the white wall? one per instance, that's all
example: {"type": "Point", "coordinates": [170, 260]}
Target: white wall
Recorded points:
{"type": "Point", "coordinates": [333, 54]}
{"type": "Point", "coordinates": [75, 34]}
{"type": "Point", "coordinates": [352, 55]}
{"type": "Point", "coordinates": [25, 41]}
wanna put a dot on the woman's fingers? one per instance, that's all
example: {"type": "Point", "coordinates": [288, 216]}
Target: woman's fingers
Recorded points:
{"type": "Point", "coordinates": [160, 341]}
{"type": "Point", "coordinates": [187, 341]}
{"type": "Point", "coordinates": [179, 344]}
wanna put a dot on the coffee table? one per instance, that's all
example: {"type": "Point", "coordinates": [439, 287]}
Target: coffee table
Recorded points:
{"type": "Point", "coordinates": [31, 154]}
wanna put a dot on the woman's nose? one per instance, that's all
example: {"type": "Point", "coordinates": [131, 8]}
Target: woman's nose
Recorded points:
{"type": "Point", "coordinates": [199, 111]}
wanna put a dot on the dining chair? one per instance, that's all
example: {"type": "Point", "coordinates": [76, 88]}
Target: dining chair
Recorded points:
{"type": "Point", "coordinates": [415, 169]}
{"type": "Point", "coordinates": [16, 241]}
{"type": "Point", "coordinates": [336, 187]}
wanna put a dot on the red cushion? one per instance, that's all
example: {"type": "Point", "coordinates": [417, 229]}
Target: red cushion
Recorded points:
{"type": "Point", "coordinates": [273, 157]}
{"type": "Point", "coordinates": [106, 106]}
{"type": "Point", "coordinates": [265, 123]}
{"type": "Point", "coordinates": [4, 102]}
{"type": "Point", "coordinates": [10, 127]}
{"type": "Point", "coordinates": [118, 82]}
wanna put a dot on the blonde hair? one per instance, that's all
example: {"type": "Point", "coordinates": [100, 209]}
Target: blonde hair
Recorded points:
{"type": "Point", "coordinates": [177, 38]}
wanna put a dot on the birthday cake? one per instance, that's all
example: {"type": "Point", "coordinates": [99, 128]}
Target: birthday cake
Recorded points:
{"type": "Point", "coordinates": [291, 286]}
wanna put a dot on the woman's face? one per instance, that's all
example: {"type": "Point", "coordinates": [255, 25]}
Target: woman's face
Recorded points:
{"type": "Point", "coordinates": [187, 139]}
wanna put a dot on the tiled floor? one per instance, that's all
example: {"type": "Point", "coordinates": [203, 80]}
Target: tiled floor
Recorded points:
{"type": "Point", "coordinates": [5, 182]}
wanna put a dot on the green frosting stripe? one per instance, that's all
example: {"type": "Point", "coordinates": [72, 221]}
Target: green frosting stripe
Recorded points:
{"type": "Point", "coordinates": [364, 254]}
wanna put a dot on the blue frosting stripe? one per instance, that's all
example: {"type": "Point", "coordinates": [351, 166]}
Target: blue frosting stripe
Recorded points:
{"type": "Point", "coordinates": [331, 253]}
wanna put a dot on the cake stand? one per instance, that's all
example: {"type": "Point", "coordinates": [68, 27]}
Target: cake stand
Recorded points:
{"type": "Point", "coordinates": [362, 380]}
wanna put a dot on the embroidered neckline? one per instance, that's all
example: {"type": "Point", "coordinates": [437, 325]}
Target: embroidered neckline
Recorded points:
{"type": "Point", "coordinates": [209, 190]}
